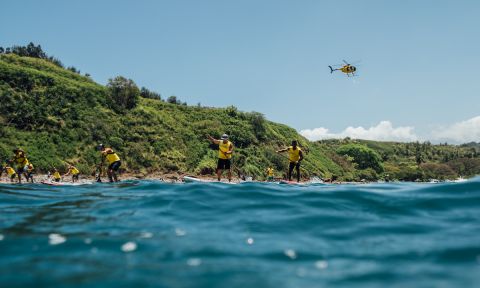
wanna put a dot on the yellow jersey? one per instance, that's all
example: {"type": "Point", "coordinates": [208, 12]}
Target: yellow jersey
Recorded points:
{"type": "Point", "coordinates": [270, 171]}
{"type": "Point", "coordinates": [294, 154]}
{"type": "Point", "coordinates": [223, 148]}
{"type": "Point", "coordinates": [74, 171]}
{"type": "Point", "coordinates": [110, 156]}
{"type": "Point", "coordinates": [56, 175]}
{"type": "Point", "coordinates": [10, 171]}
{"type": "Point", "coordinates": [21, 160]}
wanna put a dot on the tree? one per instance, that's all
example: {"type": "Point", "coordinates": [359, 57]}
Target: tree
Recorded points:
{"type": "Point", "coordinates": [418, 154]}
{"type": "Point", "coordinates": [145, 93]}
{"type": "Point", "coordinates": [258, 122]}
{"type": "Point", "coordinates": [124, 93]}
{"type": "Point", "coordinates": [173, 99]}
{"type": "Point", "coordinates": [363, 156]}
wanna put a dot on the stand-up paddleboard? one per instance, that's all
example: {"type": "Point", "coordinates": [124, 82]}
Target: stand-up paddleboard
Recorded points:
{"type": "Point", "coordinates": [291, 182]}
{"type": "Point", "coordinates": [52, 183]}
{"type": "Point", "coordinates": [192, 179]}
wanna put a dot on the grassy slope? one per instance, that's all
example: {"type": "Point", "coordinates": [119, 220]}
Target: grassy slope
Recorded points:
{"type": "Point", "coordinates": [58, 115]}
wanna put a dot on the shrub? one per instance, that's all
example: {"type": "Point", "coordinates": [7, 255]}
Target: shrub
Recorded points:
{"type": "Point", "coordinates": [124, 93]}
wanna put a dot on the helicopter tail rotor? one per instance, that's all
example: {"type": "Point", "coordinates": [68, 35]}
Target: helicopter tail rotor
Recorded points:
{"type": "Point", "coordinates": [331, 69]}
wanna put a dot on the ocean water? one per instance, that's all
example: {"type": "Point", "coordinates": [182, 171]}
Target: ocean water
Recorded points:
{"type": "Point", "coordinates": [153, 234]}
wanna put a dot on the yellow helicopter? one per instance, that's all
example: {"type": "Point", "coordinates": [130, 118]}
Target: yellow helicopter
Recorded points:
{"type": "Point", "coordinates": [347, 69]}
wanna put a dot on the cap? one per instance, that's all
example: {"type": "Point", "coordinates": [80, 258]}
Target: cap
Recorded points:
{"type": "Point", "coordinates": [224, 136]}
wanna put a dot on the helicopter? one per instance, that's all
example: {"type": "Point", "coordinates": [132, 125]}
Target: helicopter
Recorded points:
{"type": "Point", "coordinates": [347, 68]}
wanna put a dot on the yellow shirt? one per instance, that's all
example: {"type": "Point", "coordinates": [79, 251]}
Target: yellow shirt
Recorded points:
{"type": "Point", "coordinates": [223, 148]}
{"type": "Point", "coordinates": [56, 175]}
{"type": "Point", "coordinates": [10, 171]}
{"type": "Point", "coordinates": [270, 171]}
{"type": "Point", "coordinates": [110, 156]}
{"type": "Point", "coordinates": [21, 160]}
{"type": "Point", "coordinates": [74, 171]}
{"type": "Point", "coordinates": [294, 155]}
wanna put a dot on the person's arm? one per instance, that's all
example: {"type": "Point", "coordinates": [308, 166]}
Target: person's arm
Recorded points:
{"type": "Point", "coordinates": [282, 150]}
{"type": "Point", "coordinates": [68, 173]}
{"type": "Point", "coordinates": [230, 149]}
{"type": "Point", "coordinates": [213, 140]}
{"type": "Point", "coordinates": [301, 155]}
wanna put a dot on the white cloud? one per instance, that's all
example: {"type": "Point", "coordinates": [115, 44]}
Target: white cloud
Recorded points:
{"type": "Point", "coordinates": [461, 132]}
{"type": "Point", "coordinates": [384, 131]}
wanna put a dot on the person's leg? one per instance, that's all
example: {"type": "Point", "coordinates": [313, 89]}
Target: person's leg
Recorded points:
{"type": "Point", "coordinates": [227, 166]}
{"type": "Point", "coordinates": [109, 174]}
{"type": "Point", "coordinates": [114, 174]}
{"type": "Point", "coordinates": [298, 171]}
{"type": "Point", "coordinates": [290, 170]}
{"type": "Point", "coordinates": [220, 167]}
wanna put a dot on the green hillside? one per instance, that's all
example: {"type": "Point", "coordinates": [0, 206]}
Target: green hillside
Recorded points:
{"type": "Point", "coordinates": [405, 161]}
{"type": "Point", "coordinates": [59, 116]}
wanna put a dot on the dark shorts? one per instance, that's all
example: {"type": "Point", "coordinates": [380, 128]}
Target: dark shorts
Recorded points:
{"type": "Point", "coordinates": [223, 164]}
{"type": "Point", "coordinates": [115, 166]}
{"type": "Point", "coordinates": [20, 169]}
{"type": "Point", "coordinates": [75, 177]}
{"type": "Point", "coordinates": [13, 176]}
{"type": "Point", "coordinates": [294, 165]}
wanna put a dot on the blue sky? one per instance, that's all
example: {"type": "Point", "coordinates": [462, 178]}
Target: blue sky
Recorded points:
{"type": "Point", "coordinates": [418, 76]}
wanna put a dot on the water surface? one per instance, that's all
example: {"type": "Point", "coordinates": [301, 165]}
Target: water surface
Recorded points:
{"type": "Point", "coordinates": [153, 234]}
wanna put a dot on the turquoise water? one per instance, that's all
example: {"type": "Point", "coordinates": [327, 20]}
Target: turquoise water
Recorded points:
{"type": "Point", "coordinates": [151, 234]}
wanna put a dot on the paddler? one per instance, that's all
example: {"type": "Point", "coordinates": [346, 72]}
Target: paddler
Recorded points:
{"type": "Point", "coordinates": [225, 150]}
{"type": "Point", "coordinates": [10, 172]}
{"type": "Point", "coordinates": [270, 174]}
{"type": "Point", "coordinates": [113, 161]}
{"type": "Point", "coordinates": [72, 170]}
{"type": "Point", "coordinates": [20, 163]}
{"type": "Point", "coordinates": [56, 175]}
{"type": "Point", "coordinates": [29, 172]}
{"type": "Point", "coordinates": [295, 156]}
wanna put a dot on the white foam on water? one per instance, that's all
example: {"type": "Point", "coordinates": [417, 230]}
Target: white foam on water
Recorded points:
{"type": "Point", "coordinates": [290, 253]}
{"type": "Point", "coordinates": [250, 241]}
{"type": "Point", "coordinates": [180, 232]}
{"type": "Point", "coordinates": [321, 264]}
{"type": "Point", "coordinates": [129, 247]}
{"type": "Point", "coordinates": [146, 235]}
{"type": "Point", "coordinates": [87, 241]}
{"type": "Point", "coordinates": [2, 237]}
{"type": "Point", "coordinates": [56, 239]}
{"type": "Point", "coordinates": [194, 262]}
